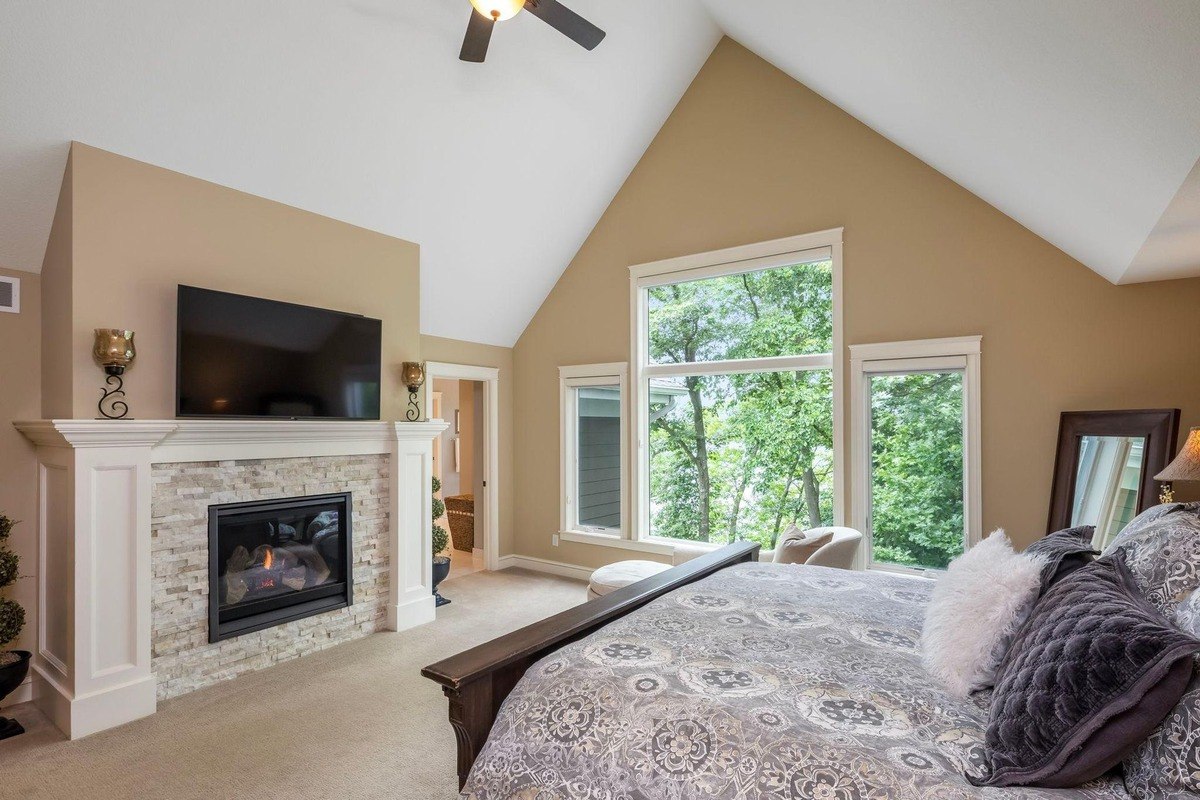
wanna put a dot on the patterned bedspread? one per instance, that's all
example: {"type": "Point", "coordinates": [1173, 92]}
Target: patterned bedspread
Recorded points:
{"type": "Point", "coordinates": [762, 681]}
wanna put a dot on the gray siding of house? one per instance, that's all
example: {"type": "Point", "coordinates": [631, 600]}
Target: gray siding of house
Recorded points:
{"type": "Point", "coordinates": [600, 471]}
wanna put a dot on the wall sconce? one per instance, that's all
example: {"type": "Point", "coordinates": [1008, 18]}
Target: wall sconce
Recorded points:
{"type": "Point", "coordinates": [114, 352]}
{"type": "Point", "coordinates": [413, 375]}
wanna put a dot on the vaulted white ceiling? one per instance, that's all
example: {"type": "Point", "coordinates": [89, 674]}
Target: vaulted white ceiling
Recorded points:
{"type": "Point", "coordinates": [359, 110]}
{"type": "Point", "coordinates": [1078, 118]}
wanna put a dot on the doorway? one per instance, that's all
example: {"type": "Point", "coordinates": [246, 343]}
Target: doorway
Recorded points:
{"type": "Point", "coordinates": [465, 460]}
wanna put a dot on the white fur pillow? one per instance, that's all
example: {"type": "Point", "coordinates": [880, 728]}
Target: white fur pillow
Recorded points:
{"type": "Point", "coordinates": [975, 610]}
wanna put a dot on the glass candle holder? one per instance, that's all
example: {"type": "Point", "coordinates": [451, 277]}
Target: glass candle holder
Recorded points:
{"type": "Point", "coordinates": [114, 349]}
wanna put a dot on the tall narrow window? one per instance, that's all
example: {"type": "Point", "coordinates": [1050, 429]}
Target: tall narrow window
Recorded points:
{"type": "Point", "coordinates": [592, 448]}
{"type": "Point", "coordinates": [916, 451]}
{"type": "Point", "coordinates": [735, 396]}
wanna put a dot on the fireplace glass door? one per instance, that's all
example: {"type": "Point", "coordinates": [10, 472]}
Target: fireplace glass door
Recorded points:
{"type": "Point", "coordinates": [275, 561]}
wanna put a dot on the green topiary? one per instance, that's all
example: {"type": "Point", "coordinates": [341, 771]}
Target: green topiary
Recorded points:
{"type": "Point", "coordinates": [12, 616]}
{"type": "Point", "coordinates": [12, 620]}
{"type": "Point", "coordinates": [441, 539]}
{"type": "Point", "coordinates": [9, 563]}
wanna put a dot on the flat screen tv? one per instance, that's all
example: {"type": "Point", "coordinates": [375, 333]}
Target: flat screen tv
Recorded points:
{"type": "Point", "coordinates": [248, 357]}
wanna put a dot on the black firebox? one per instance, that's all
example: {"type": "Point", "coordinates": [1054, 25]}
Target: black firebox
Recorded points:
{"type": "Point", "coordinates": [274, 561]}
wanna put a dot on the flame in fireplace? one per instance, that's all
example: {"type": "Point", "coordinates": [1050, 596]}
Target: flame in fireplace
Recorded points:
{"type": "Point", "coordinates": [269, 558]}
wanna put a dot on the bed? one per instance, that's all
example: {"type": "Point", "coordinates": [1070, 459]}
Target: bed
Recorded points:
{"type": "Point", "coordinates": [736, 679]}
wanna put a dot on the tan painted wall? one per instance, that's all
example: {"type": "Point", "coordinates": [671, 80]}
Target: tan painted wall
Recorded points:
{"type": "Point", "coordinates": [453, 351]}
{"type": "Point", "coordinates": [467, 429]}
{"type": "Point", "coordinates": [477, 425]}
{"type": "Point", "coordinates": [750, 155]}
{"type": "Point", "coordinates": [56, 327]}
{"type": "Point", "coordinates": [451, 476]}
{"type": "Point", "coordinates": [20, 366]}
{"type": "Point", "coordinates": [139, 230]}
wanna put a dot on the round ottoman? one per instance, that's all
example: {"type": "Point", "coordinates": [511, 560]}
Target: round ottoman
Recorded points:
{"type": "Point", "coordinates": [622, 573]}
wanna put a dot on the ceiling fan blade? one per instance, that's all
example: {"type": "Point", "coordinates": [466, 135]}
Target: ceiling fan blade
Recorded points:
{"type": "Point", "coordinates": [566, 22]}
{"type": "Point", "coordinates": [479, 34]}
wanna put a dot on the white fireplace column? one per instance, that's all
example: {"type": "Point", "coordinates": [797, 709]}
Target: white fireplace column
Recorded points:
{"type": "Point", "coordinates": [93, 656]}
{"type": "Point", "coordinates": [410, 593]}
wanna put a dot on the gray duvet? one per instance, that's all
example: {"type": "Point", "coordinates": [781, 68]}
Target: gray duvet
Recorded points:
{"type": "Point", "coordinates": [762, 681]}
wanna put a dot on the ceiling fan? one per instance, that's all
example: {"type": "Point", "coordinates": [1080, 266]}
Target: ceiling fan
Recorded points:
{"type": "Point", "coordinates": [487, 13]}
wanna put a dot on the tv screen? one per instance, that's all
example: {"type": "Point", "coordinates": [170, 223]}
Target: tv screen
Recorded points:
{"type": "Point", "coordinates": [248, 357]}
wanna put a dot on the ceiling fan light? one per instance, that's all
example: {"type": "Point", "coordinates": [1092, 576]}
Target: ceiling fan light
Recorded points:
{"type": "Point", "coordinates": [498, 10]}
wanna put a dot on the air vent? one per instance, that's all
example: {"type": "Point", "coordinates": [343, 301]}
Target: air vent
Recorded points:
{"type": "Point", "coordinates": [10, 295]}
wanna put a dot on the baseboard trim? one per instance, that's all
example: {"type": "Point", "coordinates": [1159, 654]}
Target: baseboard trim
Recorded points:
{"type": "Point", "coordinates": [82, 715]}
{"type": "Point", "coordinates": [109, 708]}
{"type": "Point", "coordinates": [545, 565]}
{"type": "Point", "coordinates": [411, 613]}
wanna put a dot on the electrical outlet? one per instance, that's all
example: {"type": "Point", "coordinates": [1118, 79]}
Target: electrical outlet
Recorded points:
{"type": "Point", "coordinates": [554, 540]}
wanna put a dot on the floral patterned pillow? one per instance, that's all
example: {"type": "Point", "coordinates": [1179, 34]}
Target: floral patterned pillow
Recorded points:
{"type": "Point", "coordinates": [1162, 550]}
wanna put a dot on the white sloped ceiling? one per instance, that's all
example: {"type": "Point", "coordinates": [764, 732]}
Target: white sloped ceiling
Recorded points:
{"type": "Point", "coordinates": [1080, 119]}
{"type": "Point", "coordinates": [359, 110]}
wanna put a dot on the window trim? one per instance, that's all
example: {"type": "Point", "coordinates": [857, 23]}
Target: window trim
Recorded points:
{"type": "Point", "coordinates": [571, 378]}
{"type": "Point", "coordinates": [960, 352]}
{"type": "Point", "coordinates": [823, 245]}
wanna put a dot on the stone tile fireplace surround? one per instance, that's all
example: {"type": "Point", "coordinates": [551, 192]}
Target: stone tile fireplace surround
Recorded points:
{"type": "Point", "coordinates": [183, 659]}
{"type": "Point", "coordinates": [123, 549]}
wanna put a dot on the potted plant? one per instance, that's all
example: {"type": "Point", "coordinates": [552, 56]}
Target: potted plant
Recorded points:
{"type": "Point", "coordinates": [441, 540]}
{"type": "Point", "coordinates": [14, 664]}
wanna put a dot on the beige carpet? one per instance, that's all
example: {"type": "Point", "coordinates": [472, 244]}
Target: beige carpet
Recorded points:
{"type": "Point", "coordinates": [356, 721]}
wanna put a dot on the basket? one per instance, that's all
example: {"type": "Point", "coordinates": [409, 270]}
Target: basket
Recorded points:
{"type": "Point", "coordinates": [460, 509]}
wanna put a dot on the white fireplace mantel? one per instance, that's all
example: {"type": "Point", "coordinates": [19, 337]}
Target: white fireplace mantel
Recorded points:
{"type": "Point", "coordinates": [93, 654]}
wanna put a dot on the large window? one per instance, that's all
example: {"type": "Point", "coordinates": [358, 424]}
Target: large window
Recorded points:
{"type": "Point", "coordinates": [735, 392]}
{"type": "Point", "coordinates": [916, 451]}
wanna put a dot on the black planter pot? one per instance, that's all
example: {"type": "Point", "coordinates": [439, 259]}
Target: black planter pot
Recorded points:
{"type": "Point", "coordinates": [441, 568]}
{"type": "Point", "coordinates": [10, 678]}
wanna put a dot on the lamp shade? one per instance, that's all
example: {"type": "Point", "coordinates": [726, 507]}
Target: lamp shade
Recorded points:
{"type": "Point", "coordinates": [1186, 466]}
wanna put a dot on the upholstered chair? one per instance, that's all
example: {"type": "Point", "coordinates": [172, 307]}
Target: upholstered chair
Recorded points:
{"type": "Point", "coordinates": [839, 552]}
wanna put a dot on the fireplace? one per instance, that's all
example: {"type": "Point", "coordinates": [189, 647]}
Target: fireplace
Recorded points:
{"type": "Point", "coordinates": [274, 561]}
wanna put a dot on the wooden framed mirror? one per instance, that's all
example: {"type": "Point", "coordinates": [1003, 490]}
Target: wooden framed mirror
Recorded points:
{"type": "Point", "coordinates": [1105, 466]}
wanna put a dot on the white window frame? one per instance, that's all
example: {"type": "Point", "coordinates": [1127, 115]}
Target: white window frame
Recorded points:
{"type": "Point", "coordinates": [571, 378]}
{"type": "Point", "coordinates": [819, 246]}
{"type": "Point", "coordinates": [925, 355]}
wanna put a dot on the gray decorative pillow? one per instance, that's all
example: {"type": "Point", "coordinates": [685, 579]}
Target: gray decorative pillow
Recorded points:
{"type": "Point", "coordinates": [1065, 551]}
{"type": "Point", "coordinates": [1162, 549]}
{"type": "Point", "coordinates": [1092, 673]}
{"type": "Point", "coordinates": [1146, 519]}
{"type": "Point", "coordinates": [1168, 763]}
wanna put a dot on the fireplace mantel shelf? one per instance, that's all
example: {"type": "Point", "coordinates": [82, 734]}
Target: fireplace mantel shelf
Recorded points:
{"type": "Point", "coordinates": [182, 440]}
